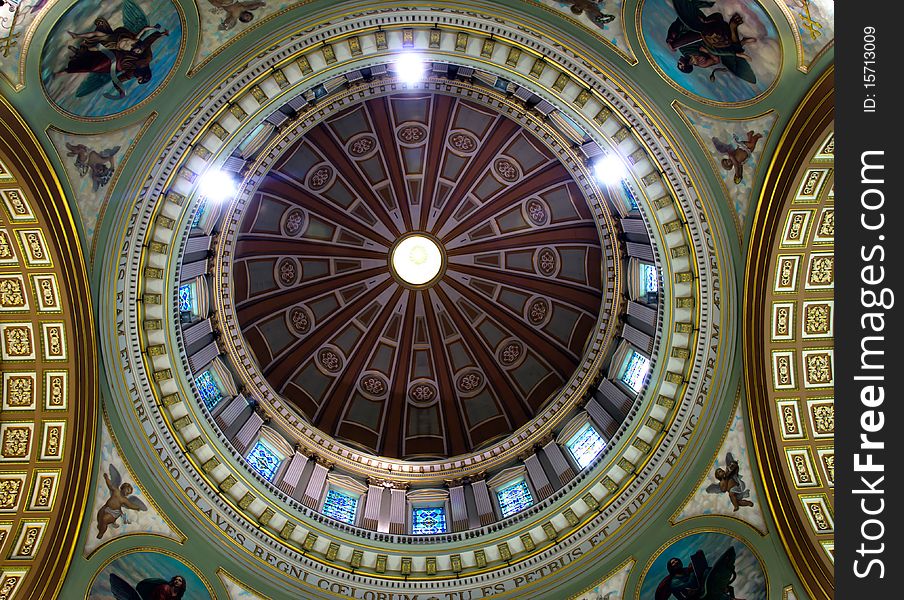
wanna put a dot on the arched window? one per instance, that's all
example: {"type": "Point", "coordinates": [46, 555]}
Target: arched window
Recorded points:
{"type": "Point", "coordinates": [585, 445]}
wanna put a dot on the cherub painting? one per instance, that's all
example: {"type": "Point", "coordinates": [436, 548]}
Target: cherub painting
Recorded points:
{"type": "Point", "coordinates": [235, 11]}
{"type": "Point", "coordinates": [736, 155]}
{"type": "Point", "coordinates": [101, 58]}
{"type": "Point", "coordinates": [593, 9]}
{"type": "Point", "coordinates": [120, 499]}
{"type": "Point", "coordinates": [728, 481]}
{"type": "Point", "coordinates": [99, 164]}
{"type": "Point", "coordinates": [722, 50]}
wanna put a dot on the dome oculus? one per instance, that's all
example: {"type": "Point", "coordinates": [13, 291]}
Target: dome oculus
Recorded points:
{"type": "Point", "coordinates": [416, 260]}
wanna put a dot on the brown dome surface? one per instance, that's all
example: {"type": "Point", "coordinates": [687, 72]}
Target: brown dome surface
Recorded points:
{"type": "Point", "coordinates": [427, 371]}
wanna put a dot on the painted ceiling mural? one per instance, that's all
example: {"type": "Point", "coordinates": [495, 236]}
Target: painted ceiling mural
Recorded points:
{"type": "Point", "coordinates": [442, 300]}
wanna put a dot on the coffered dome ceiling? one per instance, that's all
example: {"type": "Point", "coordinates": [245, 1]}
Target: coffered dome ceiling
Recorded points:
{"type": "Point", "coordinates": [429, 370]}
{"type": "Point", "coordinates": [473, 333]}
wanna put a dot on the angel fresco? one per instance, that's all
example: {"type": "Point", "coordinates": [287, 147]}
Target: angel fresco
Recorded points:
{"type": "Point", "coordinates": [736, 155]}
{"type": "Point", "coordinates": [111, 56]}
{"type": "Point", "coordinates": [729, 482]}
{"type": "Point", "coordinates": [593, 9]}
{"type": "Point", "coordinates": [235, 11]}
{"type": "Point", "coordinates": [699, 581]}
{"type": "Point", "coordinates": [100, 165]}
{"type": "Point", "coordinates": [709, 41]}
{"type": "Point", "coordinates": [148, 589]}
{"type": "Point", "coordinates": [121, 498]}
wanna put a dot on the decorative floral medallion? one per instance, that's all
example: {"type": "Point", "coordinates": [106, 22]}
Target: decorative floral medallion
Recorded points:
{"type": "Point", "coordinates": [465, 143]}
{"type": "Point", "coordinates": [537, 311]}
{"type": "Point", "coordinates": [294, 222]}
{"type": "Point", "coordinates": [362, 146]}
{"type": "Point", "coordinates": [422, 392]}
{"type": "Point", "coordinates": [547, 262]}
{"type": "Point", "coordinates": [374, 385]}
{"type": "Point", "coordinates": [320, 177]}
{"type": "Point", "coordinates": [330, 360]}
{"type": "Point", "coordinates": [511, 353]}
{"type": "Point", "coordinates": [537, 212]}
{"type": "Point", "coordinates": [300, 320]}
{"type": "Point", "coordinates": [469, 382]}
{"type": "Point", "coordinates": [287, 271]}
{"type": "Point", "coordinates": [506, 169]}
{"type": "Point", "coordinates": [412, 134]}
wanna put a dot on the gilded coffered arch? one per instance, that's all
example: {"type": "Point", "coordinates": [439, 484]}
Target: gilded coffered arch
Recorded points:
{"type": "Point", "coordinates": [48, 366]}
{"type": "Point", "coordinates": [789, 331]}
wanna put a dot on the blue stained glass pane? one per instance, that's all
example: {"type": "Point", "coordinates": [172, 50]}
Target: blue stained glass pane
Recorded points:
{"type": "Point", "coordinates": [186, 298]}
{"type": "Point", "coordinates": [585, 445]}
{"type": "Point", "coordinates": [650, 278]}
{"type": "Point", "coordinates": [629, 195]}
{"type": "Point", "coordinates": [428, 521]}
{"type": "Point", "coordinates": [341, 507]}
{"type": "Point", "coordinates": [514, 498]}
{"type": "Point", "coordinates": [199, 215]}
{"type": "Point", "coordinates": [264, 460]}
{"type": "Point", "coordinates": [209, 390]}
{"type": "Point", "coordinates": [636, 371]}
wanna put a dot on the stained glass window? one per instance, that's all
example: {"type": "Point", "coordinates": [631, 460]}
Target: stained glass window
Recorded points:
{"type": "Point", "coordinates": [636, 370]}
{"type": "Point", "coordinates": [585, 445]}
{"type": "Point", "coordinates": [629, 195]}
{"type": "Point", "coordinates": [649, 279]}
{"type": "Point", "coordinates": [264, 460]}
{"type": "Point", "coordinates": [209, 390]}
{"type": "Point", "coordinates": [199, 215]}
{"type": "Point", "coordinates": [186, 298]}
{"type": "Point", "coordinates": [340, 506]}
{"type": "Point", "coordinates": [428, 521]}
{"type": "Point", "coordinates": [514, 498]}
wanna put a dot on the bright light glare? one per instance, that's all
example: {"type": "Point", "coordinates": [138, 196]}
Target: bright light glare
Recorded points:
{"type": "Point", "coordinates": [610, 170]}
{"type": "Point", "coordinates": [410, 67]}
{"type": "Point", "coordinates": [417, 260]}
{"type": "Point", "coordinates": [217, 186]}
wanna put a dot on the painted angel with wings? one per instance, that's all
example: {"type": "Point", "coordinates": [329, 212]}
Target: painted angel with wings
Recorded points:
{"type": "Point", "coordinates": [147, 589]}
{"type": "Point", "coordinates": [114, 56]}
{"type": "Point", "coordinates": [734, 156]}
{"type": "Point", "coordinates": [120, 499]}
{"type": "Point", "coordinates": [729, 482]}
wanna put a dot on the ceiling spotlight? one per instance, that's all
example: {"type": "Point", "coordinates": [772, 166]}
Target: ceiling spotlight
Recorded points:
{"type": "Point", "coordinates": [609, 170]}
{"type": "Point", "coordinates": [410, 67]}
{"type": "Point", "coordinates": [217, 186]}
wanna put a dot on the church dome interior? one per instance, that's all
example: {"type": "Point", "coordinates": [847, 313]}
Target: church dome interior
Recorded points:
{"type": "Point", "coordinates": [463, 299]}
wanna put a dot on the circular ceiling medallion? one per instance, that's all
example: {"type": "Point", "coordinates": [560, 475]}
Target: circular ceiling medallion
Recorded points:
{"type": "Point", "coordinates": [417, 260]}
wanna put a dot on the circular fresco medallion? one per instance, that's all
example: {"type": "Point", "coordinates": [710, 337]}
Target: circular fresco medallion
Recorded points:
{"type": "Point", "coordinates": [724, 51]}
{"type": "Point", "coordinates": [105, 58]}
{"type": "Point", "coordinates": [145, 574]}
{"type": "Point", "coordinates": [732, 569]}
